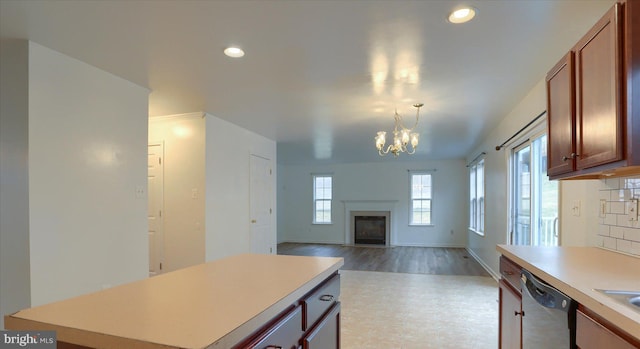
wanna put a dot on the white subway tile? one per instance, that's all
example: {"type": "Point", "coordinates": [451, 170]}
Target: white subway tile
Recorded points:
{"type": "Point", "coordinates": [635, 248]}
{"type": "Point", "coordinates": [632, 234]}
{"type": "Point", "coordinates": [621, 195]}
{"type": "Point", "coordinates": [616, 232]}
{"type": "Point", "coordinates": [623, 221]}
{"type": "Point", "coordinates": [617, 207]}
{"type": "Point", "coordinates": [613, 183]}
{"type": "Point", "coordinates": [609, 242]}
{"type": "Point", "coordinates": [611, 219]}
{"type": "Point", "coordinates": [623, 246]}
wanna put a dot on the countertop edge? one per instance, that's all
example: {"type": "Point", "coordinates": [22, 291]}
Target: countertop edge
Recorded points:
{"type": "Point", "coordinates": [253, 325]}
{"type": "Point", "coordinates": [606, 308]}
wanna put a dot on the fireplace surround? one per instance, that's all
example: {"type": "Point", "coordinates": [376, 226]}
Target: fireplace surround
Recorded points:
{"type": "Point", "coordinates": [374, 210]}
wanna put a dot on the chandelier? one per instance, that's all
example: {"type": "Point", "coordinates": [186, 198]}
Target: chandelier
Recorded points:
{"type": "Point", "coordinates": [402, 136]}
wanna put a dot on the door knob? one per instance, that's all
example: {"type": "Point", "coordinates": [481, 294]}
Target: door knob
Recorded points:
{"type": "Point", "coordinates": [253, 221]}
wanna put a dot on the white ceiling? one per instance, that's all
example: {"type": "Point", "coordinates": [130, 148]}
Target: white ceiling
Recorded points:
{"type": "Point", "coordinates": [320, 77]}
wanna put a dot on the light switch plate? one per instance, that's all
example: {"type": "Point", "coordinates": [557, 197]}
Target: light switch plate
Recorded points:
{"type": "Point", "coordinates": [631, 209]}
{"type": "Point", "coordinates": [575, 210]}
{"type": "Point", "coordinates": [603, 208]}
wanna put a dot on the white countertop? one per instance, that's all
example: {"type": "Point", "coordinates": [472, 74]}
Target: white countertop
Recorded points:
{"type": "Point", "coordinates": [577, 271]}
{"type": "Point", "coordinates": [214, 305]}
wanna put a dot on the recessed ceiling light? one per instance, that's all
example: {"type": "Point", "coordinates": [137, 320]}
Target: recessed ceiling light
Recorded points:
{"type": "Point", "coordinates": [462, 15]}
{"type": "Point", "coordinates": [234, 52]}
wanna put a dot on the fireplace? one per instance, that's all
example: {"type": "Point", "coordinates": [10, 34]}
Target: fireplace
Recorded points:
{"type": "Point", "coordinates": [370, 230]}
{"type": "Point", "coordinates": [369, 208]}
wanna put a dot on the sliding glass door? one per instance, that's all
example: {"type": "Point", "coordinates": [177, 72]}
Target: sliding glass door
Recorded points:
{"type": "Point", "coordinates": [534, 208]}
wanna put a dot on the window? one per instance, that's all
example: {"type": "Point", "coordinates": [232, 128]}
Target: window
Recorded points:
{"type": "Point", "coordinates": [476, 196]}
{"type": "Point", "coordinates": [421, 188]}
{"type": "Point", "coordinates": [534, 199]}
{"type": "Point", "coordinates": [322, 194]}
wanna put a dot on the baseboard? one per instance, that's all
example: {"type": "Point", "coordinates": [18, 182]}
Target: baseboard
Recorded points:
{"type": "Point", "coordinates": [486, 267]}
{"type": "Point", "coordinates": [312, 242]}
{"type": "Point", "coordinates": [444, 245]}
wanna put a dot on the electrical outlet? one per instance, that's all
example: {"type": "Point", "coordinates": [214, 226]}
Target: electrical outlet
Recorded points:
{"type": "Point", "coordinates": [603, 208]}
{"type": "Point", "coordinates": [631, 209]}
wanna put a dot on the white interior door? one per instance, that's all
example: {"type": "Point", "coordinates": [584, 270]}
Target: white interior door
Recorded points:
{"type": "Point", "coordinates": [261, 194]}
{"type": "Point", "coordinates": [156, 197]}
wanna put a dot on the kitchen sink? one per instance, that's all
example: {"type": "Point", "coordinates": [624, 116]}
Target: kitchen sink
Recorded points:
{"type": "Point", "coordinates": [628, 298]}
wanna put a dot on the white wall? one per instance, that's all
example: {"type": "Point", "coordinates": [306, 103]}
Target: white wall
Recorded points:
{"type": "Point", "coordinates": [14, 175]}
{"type": "Point", "coordinates": [574, 231]}
{"type": "Point", "coordinates": [184, 171]}
{"type": "Point", "coordinates": [228, 148]}
{"type": "Point", "coordinates": [87, 156]}
{"type": "Point", "coordinates": [374, 181]}
{"type": "Point", "coordinates": [496, 177]}
{"type": "Point", "coordinates": [579, 230]}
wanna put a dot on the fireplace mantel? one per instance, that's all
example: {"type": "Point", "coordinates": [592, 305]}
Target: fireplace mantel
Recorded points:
{"type": "Point", "coordinates": [382, 206]}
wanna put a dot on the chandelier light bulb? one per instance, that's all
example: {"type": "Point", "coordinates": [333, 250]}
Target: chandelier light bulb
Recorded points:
{"type": "Point", "coordinates": [414, 139]}
{"type": "Point", "coordinates": [402, 137]}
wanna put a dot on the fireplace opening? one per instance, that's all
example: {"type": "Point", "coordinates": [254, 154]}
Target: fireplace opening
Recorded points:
{"type": "Point", "coordinates": [370, 230]}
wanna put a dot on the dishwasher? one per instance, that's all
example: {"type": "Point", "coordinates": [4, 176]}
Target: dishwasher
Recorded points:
{"type": "Point", "coordinates": [548, 315]}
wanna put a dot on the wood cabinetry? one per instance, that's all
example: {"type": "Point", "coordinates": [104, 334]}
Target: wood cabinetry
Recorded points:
{"type": "Point", "coordinates": [599, 112]}
{"type": "Point", "coordinates": [326, 334]}
{"type": "Point", "coordinates": [510, 317]}
{"type": "Point", "coordinates": [591, 121]}
{"type": "Point", "coordinates": [594, 333]}
{"type": "Point", "coordinates": [283, 334]}
{"type": "Point", "coordinates": [510, 296]}
{"type": "Point", "coordinates": [561, 117]}
{"type": "Point", "coordinates": [312, 323]}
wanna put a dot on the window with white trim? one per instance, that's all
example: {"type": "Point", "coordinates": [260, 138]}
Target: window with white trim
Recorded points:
{"type": "Point", "coordinates": [322, 196]}
{"type": "Point", "coordinates": [476, 196]}
{"type": "Point", "coordinates": [421, 198]}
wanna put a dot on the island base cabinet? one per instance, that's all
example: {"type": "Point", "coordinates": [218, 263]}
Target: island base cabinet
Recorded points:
{"type": "Point", "coordinates": [326, 334]}
{"type": "Point", "coordinates": [283, 334]}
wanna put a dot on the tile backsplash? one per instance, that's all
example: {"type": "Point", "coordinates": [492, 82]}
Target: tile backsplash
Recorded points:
{"type": "Point", "coordinates": [616, 231]}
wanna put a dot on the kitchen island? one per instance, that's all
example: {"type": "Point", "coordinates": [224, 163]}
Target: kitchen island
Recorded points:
{"type": "Point", "coordinates": [213, 305]}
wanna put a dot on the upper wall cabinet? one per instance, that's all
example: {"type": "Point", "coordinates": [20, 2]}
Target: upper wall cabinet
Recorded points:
{"type": "Point", "coordinates": [590, 95]}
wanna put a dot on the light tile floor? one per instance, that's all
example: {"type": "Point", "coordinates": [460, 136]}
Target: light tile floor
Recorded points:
{"type": "Point", "coordinates": [417, 311]}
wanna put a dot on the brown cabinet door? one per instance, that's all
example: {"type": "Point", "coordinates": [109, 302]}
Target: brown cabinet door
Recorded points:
{"type": "Point", "coordinates": [284, 334]}
{"type": "Point", "coordinates": [318, 302]}
{"type": "Point", "coordinates": [326, 334]}
{"type": "Point", "coordinates": [599, 132]}
{"type": "Point", "coordinates": [561, 117]}
{"type": "Point", "coordinates": [510, 317]}
{"type": "Point", "coordinates": [592, 335]}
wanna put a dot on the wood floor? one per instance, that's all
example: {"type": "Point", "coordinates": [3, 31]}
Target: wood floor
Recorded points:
{"type": "Point", "coordinates": [398, 259]}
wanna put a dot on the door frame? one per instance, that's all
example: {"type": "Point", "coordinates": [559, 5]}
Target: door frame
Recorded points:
{"type": "Point", "coordinates": [160, 241]}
